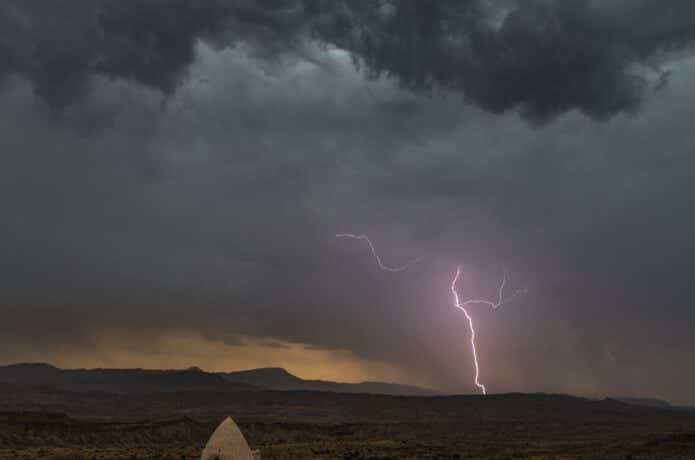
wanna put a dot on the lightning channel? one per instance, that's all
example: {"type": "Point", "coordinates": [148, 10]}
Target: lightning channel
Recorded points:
{"type": "Point", "coordinates": [458, 303]}
{"type": "Point", "coordinates": [501, 300]}
{"type": "Point", "coordinates": [462, 307]}
{"type": "Point", "coordinates": [379, 262]}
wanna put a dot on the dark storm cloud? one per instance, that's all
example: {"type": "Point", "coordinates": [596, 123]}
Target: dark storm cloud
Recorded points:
{"type": "Point", "coordinates": [192, 184]}
{"type": "Point", "coordinates": [543, 57]}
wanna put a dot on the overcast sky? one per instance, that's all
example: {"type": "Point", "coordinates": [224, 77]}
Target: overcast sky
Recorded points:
{"type": "Point", "coordinates": [174, 173]}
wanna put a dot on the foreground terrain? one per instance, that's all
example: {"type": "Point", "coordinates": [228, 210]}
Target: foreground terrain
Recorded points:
{"type": "Point", "coordinates": [40, 422]}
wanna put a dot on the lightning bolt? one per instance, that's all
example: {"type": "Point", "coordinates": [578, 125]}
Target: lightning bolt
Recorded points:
{"type": "Point", "coordinates": [382, 266]}
{"type": "Point", "coordinates": [461, 305]}
{"type": "Point", "coordinates": [501, 300]}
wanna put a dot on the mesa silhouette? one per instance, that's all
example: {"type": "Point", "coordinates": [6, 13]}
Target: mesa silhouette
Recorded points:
{"type": "Point", "coordinates": [143, 381]}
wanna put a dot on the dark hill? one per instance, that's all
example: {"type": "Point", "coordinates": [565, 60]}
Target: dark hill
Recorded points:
{"type": "Point", "coordinates": [124, 381]}
{"type": "Point", "coordinates": [648, 402]}
{"type": "Point", "coordinates": [28, 372]}
{"type": "Point", "coordinates": [139, 381]}
{"type": "Point", "coordinates": [279, 379]}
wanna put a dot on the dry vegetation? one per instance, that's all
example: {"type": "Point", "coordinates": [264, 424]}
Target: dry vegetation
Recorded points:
{"type": "Point", "coordinates": [331, 426]}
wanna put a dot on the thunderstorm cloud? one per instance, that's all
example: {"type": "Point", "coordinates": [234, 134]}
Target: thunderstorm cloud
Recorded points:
{"type": "Point", "coordinates": [174, 173]}
{"type": "Point", "coordinates": [544, 57]}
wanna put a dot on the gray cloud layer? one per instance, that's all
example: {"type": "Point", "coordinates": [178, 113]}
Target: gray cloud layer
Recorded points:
{"type": "Point", "coordinates": [543, 57]}
{"type": "Point", "coordinates": [189, 183]}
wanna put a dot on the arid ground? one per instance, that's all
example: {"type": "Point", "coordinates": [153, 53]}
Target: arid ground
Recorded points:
{"type": "Point", "coordinates": [44, 423]}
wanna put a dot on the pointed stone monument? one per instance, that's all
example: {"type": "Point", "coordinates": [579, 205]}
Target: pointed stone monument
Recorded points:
{"type": "Point", "coordinates": [227, 443]}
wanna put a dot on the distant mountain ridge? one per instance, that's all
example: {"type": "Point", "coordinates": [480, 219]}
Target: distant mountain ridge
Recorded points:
{"type": "Point", "coordinates": [123, 381]}
{"type": "Point", "coordinates": [140, 381]}
{"type": "Point", "coordinates": [279, 379]}
{"type": "Point", "coordinates": [647, 402]}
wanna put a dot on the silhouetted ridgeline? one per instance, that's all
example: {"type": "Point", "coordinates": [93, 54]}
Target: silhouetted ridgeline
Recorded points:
{"type": "Point", "coordinates": [142, 381]}
{"type": "Point", "coordinates": [279, 379]}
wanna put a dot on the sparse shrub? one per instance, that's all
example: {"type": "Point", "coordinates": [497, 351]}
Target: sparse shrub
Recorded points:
{"type": "Point", "coordinates": [67, 457]}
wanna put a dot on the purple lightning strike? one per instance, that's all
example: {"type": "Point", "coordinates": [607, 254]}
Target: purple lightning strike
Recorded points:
{"type": "Point", "coordinates": [376, 256]}
{"type": "Point", "coordinates": [461, 305]}
{"type": "Point", "coordinates": [494, 305]}
{"type": "Point", "coordinates": [501, 300]}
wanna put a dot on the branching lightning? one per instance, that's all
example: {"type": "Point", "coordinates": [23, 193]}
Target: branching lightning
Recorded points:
{"type": "Point", "coordinates": [461, 305]}
{"type": "Point", "coordinates": [494, 305]}
{"type": "Point", "coordinates": [501, 300]}
{"type": "Point", "coordinates": [382, 266]}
